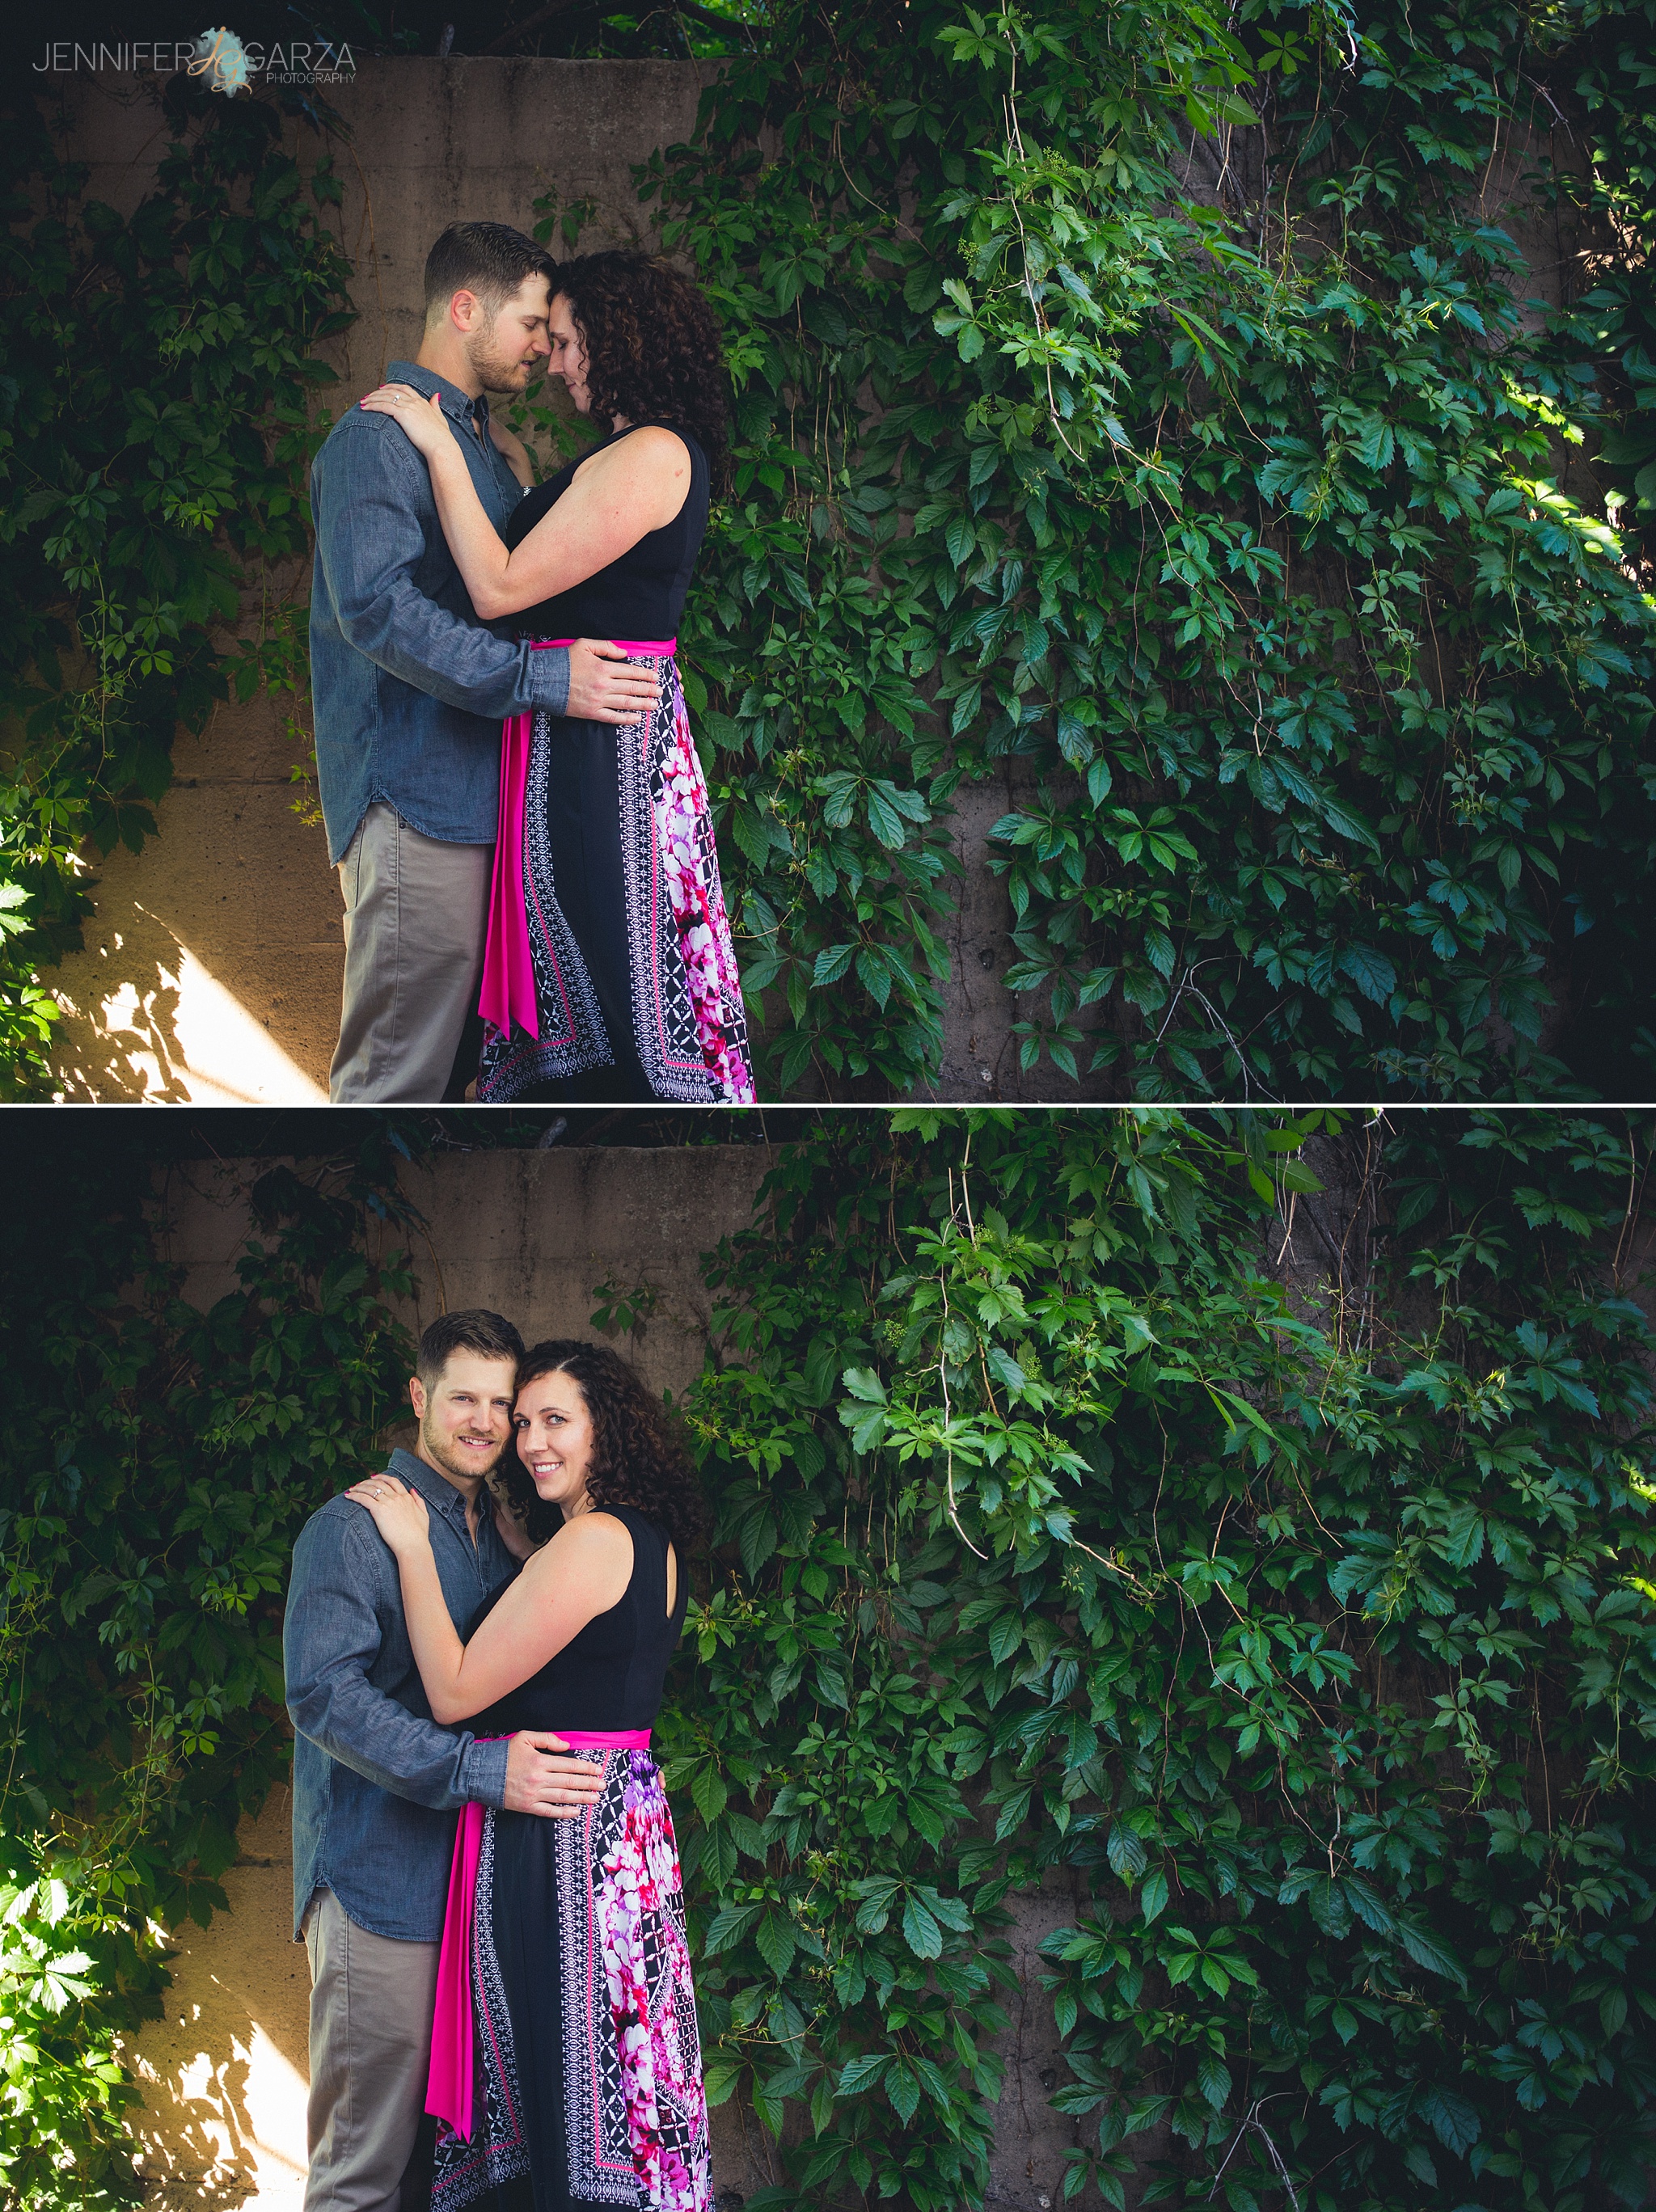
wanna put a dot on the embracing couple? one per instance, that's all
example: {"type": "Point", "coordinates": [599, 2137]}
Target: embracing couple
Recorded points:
{"type": "Point", "coordinates": [485, 1870]}
{"type": "Point", "coordinates": [512, 793]}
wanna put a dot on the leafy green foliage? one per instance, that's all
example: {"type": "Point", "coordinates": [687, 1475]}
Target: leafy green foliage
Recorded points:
{"type": "Point", "coordinates": [1245, 526]}
{"type": "Point", "coordinates": [64, 2087]}
{"type": "Point", "coordinates": [1309, 1629]}
{"type": "Point", "coordinates": [159, 1461]}
{"type": "Point", "coordinates": [157, 409]}
{"type": "Point", "coordinates": [1616, 185]}
{"type": "Point", "coordinates": [1313, 1635]}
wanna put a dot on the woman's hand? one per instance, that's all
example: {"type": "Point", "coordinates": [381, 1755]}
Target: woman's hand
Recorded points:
{"type": "Point", "coordinates": [422, 420]}
{"type": "Point", "coordinates": [513, 452]}
{"type": "Point", "coordinates": [510, 1530]}
{"type": "Point", "coordinates": [399, 1513]}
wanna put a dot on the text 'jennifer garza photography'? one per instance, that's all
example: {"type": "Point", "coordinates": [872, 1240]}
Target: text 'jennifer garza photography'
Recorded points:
{"type": "Point", "coordinates": [228, 63]}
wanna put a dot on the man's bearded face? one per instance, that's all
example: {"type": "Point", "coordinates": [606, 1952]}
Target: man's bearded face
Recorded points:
{"type": "Point", "coordinates": [466, 1416]}
{"type": "Point", "coordinates": [509, 350]}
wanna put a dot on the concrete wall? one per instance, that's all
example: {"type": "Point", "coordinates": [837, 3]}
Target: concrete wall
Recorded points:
{"type": "Point", "coordinates": [534, 1234]}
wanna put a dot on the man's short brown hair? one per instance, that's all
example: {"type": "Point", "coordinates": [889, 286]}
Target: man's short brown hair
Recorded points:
{"type": "Point", "coordinates": [489, 258]}
{"type": "Point", "coordinates": [475, 1330]}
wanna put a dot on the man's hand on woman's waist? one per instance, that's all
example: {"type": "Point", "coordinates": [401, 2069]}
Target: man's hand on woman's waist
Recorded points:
{"type": "Point", "coordinates": [538, 1781]}
{"type": "Point", "coordinates": [603, 687]}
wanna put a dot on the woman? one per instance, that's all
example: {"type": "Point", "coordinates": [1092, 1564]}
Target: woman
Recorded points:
{"type": "Point", "coordinates": [565, 2061]}
{"type": "Point", "coordinates": [610, 973]}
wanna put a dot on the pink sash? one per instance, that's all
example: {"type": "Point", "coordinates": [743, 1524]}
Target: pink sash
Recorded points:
{"type": "Point", "coordinates": [449, 2085]}
{"type": "Point", "coordinates": [508, 977]}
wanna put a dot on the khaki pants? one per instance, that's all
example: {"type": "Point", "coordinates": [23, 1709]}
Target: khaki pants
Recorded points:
{"type": "Point", "coordinates": [416, 913]}
{"type": "Point", "coordinates": [370, 2049]}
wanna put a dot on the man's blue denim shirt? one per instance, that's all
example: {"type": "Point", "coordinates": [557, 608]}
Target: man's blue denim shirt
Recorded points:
{"type": "Point", "coordinates": [376, 1781]}
{"type": "Point", "coordinates": [410, 688]}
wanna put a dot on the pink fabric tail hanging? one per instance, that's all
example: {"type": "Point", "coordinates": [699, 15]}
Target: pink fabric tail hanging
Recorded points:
{"type": "Point", "coordinates": [449, 2085]}
{"type": "Point", "coordinates": [507, 996]}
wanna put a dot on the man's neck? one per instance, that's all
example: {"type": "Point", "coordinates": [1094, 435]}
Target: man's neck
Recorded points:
{"type": "Point", "coordinates": [447, 362]}
{"type": "Point", "coordinates": [470, 1488]}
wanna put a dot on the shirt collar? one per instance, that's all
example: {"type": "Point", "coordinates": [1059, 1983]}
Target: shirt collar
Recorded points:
{"type": "Point", "coordinates": [455, 403]}
{"type": "Point", "coordinates": [437, 1493]}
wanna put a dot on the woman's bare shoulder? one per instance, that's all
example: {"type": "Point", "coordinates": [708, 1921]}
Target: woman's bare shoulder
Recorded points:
{"type": "Point", "coordinates": [594, 1532]}
{"type": "Point", "coordinates": [652, 451]}
{"type": "Point", "coordinates": [596, 1522]}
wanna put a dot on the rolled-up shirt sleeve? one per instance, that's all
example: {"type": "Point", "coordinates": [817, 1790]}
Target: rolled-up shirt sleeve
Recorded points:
{"type": "Point", "coordinates": [370, 487]}
{"type": "Point", "coordinates": [330, 1638]}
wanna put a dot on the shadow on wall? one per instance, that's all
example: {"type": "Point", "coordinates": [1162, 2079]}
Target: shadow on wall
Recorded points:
{"type": "Point", "coordinates": [224, 2075]}
{"type": "Point", "coordinates": [157, 1025]}
{"type": "Point", "coordinates": [214, 959]}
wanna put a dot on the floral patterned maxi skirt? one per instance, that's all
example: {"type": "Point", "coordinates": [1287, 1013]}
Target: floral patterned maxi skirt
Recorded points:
{"type": "Point", "coordinates": [636, 992]}
{"type": "Point", "coordinates": [587, 2088]}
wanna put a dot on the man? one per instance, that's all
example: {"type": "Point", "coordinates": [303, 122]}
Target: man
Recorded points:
{"type": "Point", "coordinates": [377, 1783]}
{"type": "Point", "coordinates": [411, 689]}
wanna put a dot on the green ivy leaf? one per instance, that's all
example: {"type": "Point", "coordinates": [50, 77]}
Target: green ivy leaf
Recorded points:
{"type": "Point", "coordinates": [920, 1929]}
{"type": "Point", "coordinates": [709, 1794]}
{"type": "Point", "coordinates": [776, 1946]}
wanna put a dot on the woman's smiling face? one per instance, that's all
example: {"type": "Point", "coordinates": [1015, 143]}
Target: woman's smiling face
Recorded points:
{"type": "Point", "coordinates": [554, 1440]}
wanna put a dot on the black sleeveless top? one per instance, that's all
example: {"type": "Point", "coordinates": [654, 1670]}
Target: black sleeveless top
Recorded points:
{"type": "Point", "coordinates": [642, 595]}
{"type": "Point", "coordinates": [610, 1675]}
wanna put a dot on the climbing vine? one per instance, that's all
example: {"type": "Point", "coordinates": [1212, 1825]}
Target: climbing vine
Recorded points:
{"type": "Point", "coordinates": [1307, 1626]}
{"type": "Point", "coordinates": [1153, 415]}
{"type": "Point", "coordinates": [1248, 1518]}
{"type": "Point", "coordinates": [158, 409]}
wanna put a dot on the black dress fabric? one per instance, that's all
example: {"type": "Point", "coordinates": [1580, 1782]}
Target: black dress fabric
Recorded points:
{"type": "Point", "coordinates": [610, 1677]}
{"type": "Point", "coordinates": [552, 2095]}
{"type": "Point", "coordinates": [642, 595]}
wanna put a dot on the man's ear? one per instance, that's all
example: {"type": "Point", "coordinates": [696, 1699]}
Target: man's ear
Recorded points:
{"type": "Point", "coordinates": [464, 311]}
{"type": "Point", "coordinates": [417, 1396]}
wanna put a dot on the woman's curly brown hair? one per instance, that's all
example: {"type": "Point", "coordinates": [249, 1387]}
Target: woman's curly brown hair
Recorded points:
{"type": "Point", "coordinates": [637, 1461]}
{"type": "Point", "coordinates": [653, 352]}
